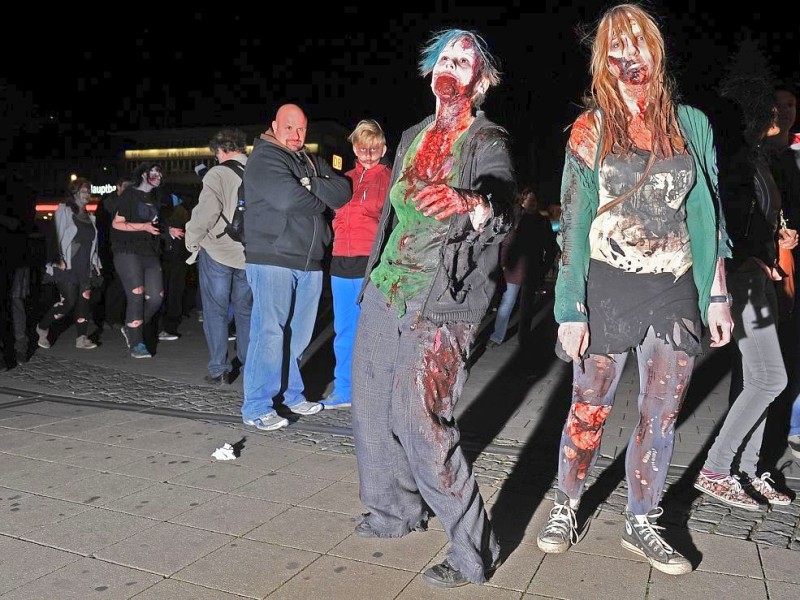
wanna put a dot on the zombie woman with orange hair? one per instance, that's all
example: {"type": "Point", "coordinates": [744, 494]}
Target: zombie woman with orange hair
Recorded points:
{"type": "Point", "coordinates": [642, 268]}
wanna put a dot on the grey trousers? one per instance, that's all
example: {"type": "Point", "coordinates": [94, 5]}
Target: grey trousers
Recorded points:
{"type": "Point", "coordinates": [754, 311]}
{"type": "Point", "coordinates": [407, 377]}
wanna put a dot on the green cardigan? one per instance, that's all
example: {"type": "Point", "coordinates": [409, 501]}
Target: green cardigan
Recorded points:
{"type": "Point", "coordinates": [705, 221]}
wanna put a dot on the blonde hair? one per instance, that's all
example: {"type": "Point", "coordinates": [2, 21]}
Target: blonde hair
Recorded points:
{"type": "Point", "coordinates": [369, 132]}
{"type": "Point", "coordinates": [660, 112]}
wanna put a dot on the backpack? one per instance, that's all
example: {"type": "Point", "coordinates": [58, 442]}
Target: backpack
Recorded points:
{"type": "Point", "coordinates": [235, 227]}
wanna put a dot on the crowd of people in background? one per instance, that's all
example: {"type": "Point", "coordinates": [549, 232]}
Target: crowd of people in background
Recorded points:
{"type": "Point", "coordinates": [676, 227]}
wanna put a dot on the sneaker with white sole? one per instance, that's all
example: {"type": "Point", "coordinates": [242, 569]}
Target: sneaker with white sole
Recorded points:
{"type": "Point", "coordinates": [167, 336]}
{"type": "Point", "coordinates": [332, 403]}
{"type": "Point", "coordinates": [82, 342]}
{"type": "Point", "coordinates": [42, 342]}
{"type": "Point", "coordinates": [641, 537]}
{"type": "Point", "coordinates": [306, 408]}
{"type": "Point", "coordinates": [727, 490]}
{"type": "Point", "coordinates": [763, 485]}
{"type": "Point", "coordinates": [124, 331]}
{"type": "Point", "coordinates": [269, 422]}
{"type": "Point", "coordinates": [561, 530]}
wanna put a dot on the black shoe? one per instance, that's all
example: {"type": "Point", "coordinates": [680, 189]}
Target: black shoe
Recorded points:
{"type": "Point", "coordinates": [445, 575]}
{"type": "Point", "coordinates": [218, 380]}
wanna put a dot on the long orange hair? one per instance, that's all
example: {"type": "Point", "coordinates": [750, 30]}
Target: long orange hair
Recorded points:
{"type": "Point", "coordinates": [660, 111]}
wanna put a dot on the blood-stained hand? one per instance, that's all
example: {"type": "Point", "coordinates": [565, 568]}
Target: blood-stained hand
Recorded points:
{"type": "Point", "coordinates": [442, 201]}
{"type": "Point", "coordinates": [574, 338]}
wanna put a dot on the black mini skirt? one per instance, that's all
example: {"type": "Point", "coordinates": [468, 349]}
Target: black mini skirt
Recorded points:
{"type": "Point", "coordinates": [623, 306]}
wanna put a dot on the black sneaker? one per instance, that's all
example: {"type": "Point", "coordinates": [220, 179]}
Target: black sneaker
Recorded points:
{"type": "Point", "coordinates": [445, 575]}
{"type": "Point", "coordinates": [643, 539]}
{"type": "Point", "coordinates": [561, 529]}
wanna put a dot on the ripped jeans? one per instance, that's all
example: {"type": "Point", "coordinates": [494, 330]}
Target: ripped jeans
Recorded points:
{"type": "Point", "coordinates": [664, 375]}
{"type": "Point", "coordinates": [137, 271]}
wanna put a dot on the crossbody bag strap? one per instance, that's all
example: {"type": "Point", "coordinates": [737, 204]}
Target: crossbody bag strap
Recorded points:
{"type": "Point", "coordinates": [619, 199]}
{"type": "Point", "coordinates": [238, 168]}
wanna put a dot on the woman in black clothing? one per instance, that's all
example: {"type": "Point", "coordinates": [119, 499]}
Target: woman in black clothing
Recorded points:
{"type": "Point", "coordinates": [71, 269]}
{"type": "Point", "coordinates": [136, 243]}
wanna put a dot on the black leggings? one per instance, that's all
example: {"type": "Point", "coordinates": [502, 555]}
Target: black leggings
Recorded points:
{"type": "Point", "coordinates": [136, 271]}
{"type": "Point", "coordinates": [73, 296]}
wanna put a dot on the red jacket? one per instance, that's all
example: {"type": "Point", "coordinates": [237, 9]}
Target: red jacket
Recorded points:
{"type": "Point", "coordinates": [356, 223]}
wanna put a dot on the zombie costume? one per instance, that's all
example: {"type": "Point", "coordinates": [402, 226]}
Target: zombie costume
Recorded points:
{"type": "Point", "coordinates": [76, 234]}
{"type": "Point", "coordinates": [427, 288]}
{"type": "Point", "coordinates": [663, 242]}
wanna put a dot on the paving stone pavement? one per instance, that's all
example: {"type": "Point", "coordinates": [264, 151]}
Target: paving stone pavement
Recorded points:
{"type": "Point", "coordinates": [513, 459]}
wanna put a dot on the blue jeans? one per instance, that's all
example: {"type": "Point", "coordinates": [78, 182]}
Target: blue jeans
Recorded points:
{"type": "Point", "coordinates": [507, 302]}
{"type": "Point", "coordinates": [345, 319]}
{"type": "Point", "coordinates": [285, 303]}
{"type": "Point", "coordinates": [794, 422]}
{"type": "Point", "coordinates": [222, 287]}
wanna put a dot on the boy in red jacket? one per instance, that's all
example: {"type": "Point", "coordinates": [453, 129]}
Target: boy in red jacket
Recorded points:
{"type": "Point", "coordinates": [354, 228]}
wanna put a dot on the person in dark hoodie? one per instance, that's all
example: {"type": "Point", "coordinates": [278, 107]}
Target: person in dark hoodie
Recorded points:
{"type": "Point", "coordinates": [288, 192]}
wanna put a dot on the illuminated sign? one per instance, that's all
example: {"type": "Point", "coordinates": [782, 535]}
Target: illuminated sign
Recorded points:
{"type": "Point", "coordinates": [103, 189]}
{"type": "Point", "coordinates": [337, 162]}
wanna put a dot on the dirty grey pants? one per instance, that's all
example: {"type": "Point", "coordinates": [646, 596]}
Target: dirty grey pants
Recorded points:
{"type": "Point", "coordinates": [407, 376]}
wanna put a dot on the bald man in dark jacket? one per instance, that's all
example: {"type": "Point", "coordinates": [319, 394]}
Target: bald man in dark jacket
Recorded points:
{"type": "Point", "coordinates": [287, 192]}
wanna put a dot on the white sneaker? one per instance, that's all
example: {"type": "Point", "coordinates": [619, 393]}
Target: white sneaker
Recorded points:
{"type": "Point", "coordinates": [306, 408]}
{"type": "Point", "coordinates": [42, 342]}
{"type": "Point", "coordinates": [269, 422]}
{"type": "Point", "coordinates": [82, 342]}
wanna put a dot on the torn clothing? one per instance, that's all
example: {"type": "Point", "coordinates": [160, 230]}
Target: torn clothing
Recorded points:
{"type": "Point", "coordinates": [465, 278]}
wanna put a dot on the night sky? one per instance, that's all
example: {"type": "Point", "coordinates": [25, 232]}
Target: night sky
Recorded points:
{"type": "Point", "coordinates": [234, 64]}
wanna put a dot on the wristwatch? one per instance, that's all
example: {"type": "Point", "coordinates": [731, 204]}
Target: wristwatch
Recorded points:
{"type": "Point", "coordinates": [728, 299]}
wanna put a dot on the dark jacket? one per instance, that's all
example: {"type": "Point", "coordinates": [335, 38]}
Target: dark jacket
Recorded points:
{"type": "Point", "coordinates": [752, 204]}
{"type": "Point", "coordinates": [286, 224]}
{"type": "Point", "coordinates": [529, 251]}
{"type": "Point", "coordinates": [465, 281]}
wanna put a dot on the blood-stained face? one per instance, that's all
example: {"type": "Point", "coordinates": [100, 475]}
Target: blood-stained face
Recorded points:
{"type": "Point", "coordinates": [369, 153]}
{"type": "Point", "coordinates": [455, 70]}
{"type": "Point", "coordinates": [630, 59]}
{"type": "Point", "coordinates": [154, 176]}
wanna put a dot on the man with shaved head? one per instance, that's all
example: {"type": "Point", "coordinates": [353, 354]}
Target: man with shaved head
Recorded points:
{"type": "Point", "coordinates": [287, 191]}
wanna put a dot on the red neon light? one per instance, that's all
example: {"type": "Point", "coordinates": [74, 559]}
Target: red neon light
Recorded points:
{"type": "Point", "coordinates": [54, 207]}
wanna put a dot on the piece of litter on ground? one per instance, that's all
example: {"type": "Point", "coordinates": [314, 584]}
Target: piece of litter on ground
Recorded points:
{"type": "Point", "coordinates": [224, 453]}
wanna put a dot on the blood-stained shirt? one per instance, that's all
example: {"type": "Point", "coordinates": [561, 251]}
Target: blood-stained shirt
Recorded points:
{"type": "Point", "coordinates": [646, 233]}
{"type": "Point", "coordinates": [412, 253]}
